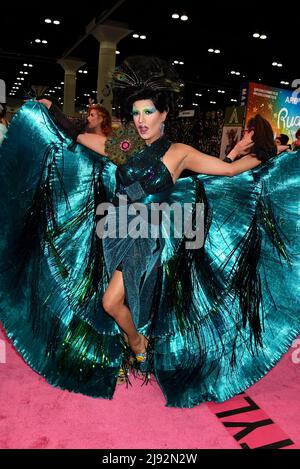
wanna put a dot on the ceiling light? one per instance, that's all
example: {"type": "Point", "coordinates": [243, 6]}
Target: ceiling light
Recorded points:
{"type": "Point", "coordinates": [175, 16]}
{"type": "Point", "coordinates": [184, 17]}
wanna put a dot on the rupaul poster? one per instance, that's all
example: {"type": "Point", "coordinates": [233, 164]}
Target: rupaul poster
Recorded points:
{"type": "Point", "coordinates": [279, 106]}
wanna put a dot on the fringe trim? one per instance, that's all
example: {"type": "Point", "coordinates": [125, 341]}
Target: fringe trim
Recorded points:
{"type": "Point", "coordinates": [83, 349]}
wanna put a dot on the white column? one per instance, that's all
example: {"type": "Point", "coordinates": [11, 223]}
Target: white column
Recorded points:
{"type": "Point", "coordinates": [108, 34]}
{"type": "Point", "coordinates": [70, 67]}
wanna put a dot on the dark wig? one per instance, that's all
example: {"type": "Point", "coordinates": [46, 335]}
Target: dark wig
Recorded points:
{"type": "Point", "coordinates": [264, 146]}
{"type": "Point", "coordinates": [140, 77]}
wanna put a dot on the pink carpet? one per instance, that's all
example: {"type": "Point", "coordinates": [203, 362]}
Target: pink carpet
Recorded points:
{"type": "Point", "coordinates": [35, 415]}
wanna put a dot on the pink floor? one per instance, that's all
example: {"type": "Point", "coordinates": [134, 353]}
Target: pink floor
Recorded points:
{"type": "Point", "coordinates": [33, 414]}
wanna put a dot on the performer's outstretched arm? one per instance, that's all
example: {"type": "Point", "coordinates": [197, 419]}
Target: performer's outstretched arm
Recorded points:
{"type": "Point", "coordinates": [94, 142]}
{"type": "Point", "coordinates": [72, 128]}
{"type": "Point", "coordinates": [205, 164]}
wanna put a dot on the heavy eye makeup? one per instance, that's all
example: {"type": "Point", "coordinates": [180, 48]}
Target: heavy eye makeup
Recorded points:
{"type": "Point", "coordinates": [146, 111]}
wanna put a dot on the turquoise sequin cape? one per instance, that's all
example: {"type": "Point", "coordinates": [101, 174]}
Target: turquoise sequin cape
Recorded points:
{"type": "Point", "coordinates": [218, 318]}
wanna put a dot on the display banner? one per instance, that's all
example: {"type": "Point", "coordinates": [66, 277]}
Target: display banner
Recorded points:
{"type": "Point", "coordinates": [233, 125]}
{"type": "Point", "coordinates": [281, 107]}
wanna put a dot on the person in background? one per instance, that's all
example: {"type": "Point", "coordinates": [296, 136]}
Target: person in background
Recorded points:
{"type": "Point", "coordinates": [282, 143]}
{"type": "Point", "coordinates": [258, 136]}
{"type": "Point", "coordinates": [284, 139]}
{"type": "Point", "coordinates": [296, 143]}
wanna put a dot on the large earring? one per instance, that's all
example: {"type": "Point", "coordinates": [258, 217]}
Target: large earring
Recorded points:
{"type": "Point", "coordinates": [162, 128]}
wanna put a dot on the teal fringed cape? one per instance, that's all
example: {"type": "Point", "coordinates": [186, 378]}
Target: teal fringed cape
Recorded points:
{"type": "Point", "coordinates": [219, 317]}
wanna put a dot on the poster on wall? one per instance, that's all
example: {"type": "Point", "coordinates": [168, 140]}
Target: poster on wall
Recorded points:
{"type": "Point", "coordinates": [281, 107]}
{"type": "Point", "coordinates": [232, 130]}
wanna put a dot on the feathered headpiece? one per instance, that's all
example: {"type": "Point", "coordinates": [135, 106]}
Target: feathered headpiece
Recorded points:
{"type": "Point", "coordinates": [141, 72]}
{"type": "Point", "coordinates": [145, 76]}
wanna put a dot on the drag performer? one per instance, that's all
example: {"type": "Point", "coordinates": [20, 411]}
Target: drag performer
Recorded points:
{"type": "Point", "coordinates": [207, 322]}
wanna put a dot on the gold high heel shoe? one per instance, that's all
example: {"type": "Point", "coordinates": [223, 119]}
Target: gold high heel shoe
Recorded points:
{"type": "Point", "coordinates": [123, 376]}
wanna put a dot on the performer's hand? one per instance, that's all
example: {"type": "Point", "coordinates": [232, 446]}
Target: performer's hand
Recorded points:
{"type": "Point", "coordinates": [46, 102]}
